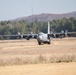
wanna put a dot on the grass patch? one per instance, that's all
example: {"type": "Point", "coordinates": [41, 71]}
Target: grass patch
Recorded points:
{"type": "Point", "coordinates": [35, 59]}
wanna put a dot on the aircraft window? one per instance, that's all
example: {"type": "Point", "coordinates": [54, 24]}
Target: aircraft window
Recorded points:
{"type": "Point", "coordinates": [39, 34]}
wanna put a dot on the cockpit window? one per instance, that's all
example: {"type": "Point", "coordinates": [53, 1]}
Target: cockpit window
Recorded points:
{"type": "Point", "coordinates": [41, 33]}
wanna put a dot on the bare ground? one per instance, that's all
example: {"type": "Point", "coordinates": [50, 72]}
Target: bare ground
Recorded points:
{"type": "Point", "coordinates": [37, 59]}
{"type": "Point", "coordinates": [40, 69]}
{"type": "Point", "coordinates": [23, 51]}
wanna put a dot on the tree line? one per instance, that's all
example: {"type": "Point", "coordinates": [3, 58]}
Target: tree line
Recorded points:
{"type": "Point", "coordinates": [24, 27]}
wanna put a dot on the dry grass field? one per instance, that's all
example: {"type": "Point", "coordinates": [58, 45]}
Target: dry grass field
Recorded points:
{"type": "Point", "coordinates": [22, 57]}
{"type": "Point", "coordinates": [25, 52]}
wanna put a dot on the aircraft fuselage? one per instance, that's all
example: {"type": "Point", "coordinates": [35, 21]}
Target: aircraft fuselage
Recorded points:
{"type": "Point", "coordinates": [43, 38]}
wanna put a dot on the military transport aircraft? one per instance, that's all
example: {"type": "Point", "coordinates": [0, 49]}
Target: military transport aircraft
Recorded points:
{"type": "Point", "coordinates": [42, 37]}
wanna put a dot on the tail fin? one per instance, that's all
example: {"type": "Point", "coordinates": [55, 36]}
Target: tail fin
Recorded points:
{"type": "Point", "coordinates": [48, 27]}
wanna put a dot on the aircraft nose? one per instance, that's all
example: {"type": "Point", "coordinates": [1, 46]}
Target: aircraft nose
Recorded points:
{"type": "Point", "coordinates": [40, 37]}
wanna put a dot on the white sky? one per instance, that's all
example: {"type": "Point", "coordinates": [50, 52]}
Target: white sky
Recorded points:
{"type": "Point", "coordinates": [11, 9]}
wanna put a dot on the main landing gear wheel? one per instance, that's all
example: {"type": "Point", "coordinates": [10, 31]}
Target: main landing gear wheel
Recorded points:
{"type": "Point", "coordinates": [39, 42]}
{"type": "Point", "coordinates": [49, 43]}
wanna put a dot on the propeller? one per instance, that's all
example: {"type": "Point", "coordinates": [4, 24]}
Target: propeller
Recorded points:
{"type": "Point", "coordinates": [66, 32]}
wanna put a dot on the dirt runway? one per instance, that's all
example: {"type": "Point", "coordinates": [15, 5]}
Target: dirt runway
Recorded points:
{"type": "Point", "coordinates": [22, 57]}
{"type": "Point", "coordinates": [40, 69]}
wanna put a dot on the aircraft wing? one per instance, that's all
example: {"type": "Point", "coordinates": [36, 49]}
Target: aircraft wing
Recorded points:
{"type": "Point", "coordinates": [64, 34]}
{"type": "Point", "coordinates": [30, 36]}
{"type": "Point", "coordinates": [13, 36]}
{"type": "Point", "coordinates": [71, 34]}
{"type": "Point", "coordinates": [19, 36]}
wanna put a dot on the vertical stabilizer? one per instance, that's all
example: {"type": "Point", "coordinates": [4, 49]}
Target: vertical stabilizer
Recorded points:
{"type": "Point", "coordinates": [48, 27]}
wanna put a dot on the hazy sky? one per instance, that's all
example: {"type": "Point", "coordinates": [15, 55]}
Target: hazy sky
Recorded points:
{"type": "Point", "coordinates": [11, 9]}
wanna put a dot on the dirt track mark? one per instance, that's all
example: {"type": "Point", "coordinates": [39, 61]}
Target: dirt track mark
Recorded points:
{"type": "Point", "coordinates": [40, 69]}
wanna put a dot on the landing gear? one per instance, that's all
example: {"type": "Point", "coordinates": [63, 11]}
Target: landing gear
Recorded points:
{"type": "Point", "coordinates": [39, 42]}
{"type": "Point", "coordinates": [49, 43]}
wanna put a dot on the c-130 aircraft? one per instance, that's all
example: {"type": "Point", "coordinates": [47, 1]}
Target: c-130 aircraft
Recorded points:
{"type": "Point", "coordinates": [41, 37]}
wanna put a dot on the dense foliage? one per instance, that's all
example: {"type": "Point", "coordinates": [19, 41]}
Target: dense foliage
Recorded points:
{"type": "Point", "coordinates": [14, 27]}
